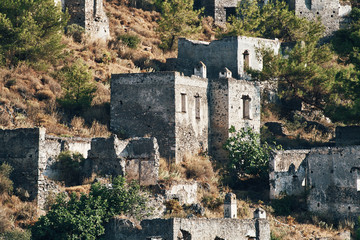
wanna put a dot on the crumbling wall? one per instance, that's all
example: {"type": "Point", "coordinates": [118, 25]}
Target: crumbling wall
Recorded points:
{"type": "Point", "coordinates": [137, 158]}
{"type": "Point", "coordinates": [288, 173]}
{"type": "Point", "coordinates": [334, 180]}
{"type": "Point", "coordinates": [228, 52]}
{"type": "Point", "coordinates": [90, 15]}
{"type": "Point", "coordinates": [20, 148]}
{"type": "Point", "coordinates": [185, 192]}
{"type": "Point", "coordinates": [330, 176]}
{"type": "Point", "coordinates": [180, 228]}
{"type": "Point", "coordinates": [331, 12]}
{"type": "Point", "coordinates": [191, 120]}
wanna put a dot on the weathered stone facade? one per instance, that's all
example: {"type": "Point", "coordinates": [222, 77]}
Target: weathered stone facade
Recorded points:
{"type": "Point", "coordinates": [330, 177]}
{"type": "Point", "coordinates": [234, 53]}
{"type": "Point", "coordinates": [166, 105]}
{"type": "Point", "coordinates": [137, 158]}
{"type": "Point", "coordinates": [90, 15]}
{"type": "Point", "coordinates": [183, 229]}
{"type": "Point", "coordinates": [332, 13]}
{"type": "Point", "coordinates": [220, 10]}
{"type": "Point", "coordinates": [32, 154]}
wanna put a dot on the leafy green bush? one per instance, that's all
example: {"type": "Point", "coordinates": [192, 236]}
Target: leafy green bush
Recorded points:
{"type": "Point", "coordinates": [84, 217]}
{"type": "Point", "coordinates": [69, 164]}
{"type": "Point", "coordinates": [77, 86]}
{"type": "Point", "coordinates": [247, 154]}
{"type": "Point", "coordinates": [132, 41]}
{"type": "Point", "coordinates": [30, 31]}
{"type": "Point", "coordinates": [76, 32]}
{"type": "Point", "coordinates": [6, 185]}
{"type": "Point", "coordinates": [285, 205]}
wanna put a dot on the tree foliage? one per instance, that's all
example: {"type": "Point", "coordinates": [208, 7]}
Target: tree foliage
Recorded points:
{"type": "Point", "coordinates": [271, 20]}
{"type": "Point", "coordinates": [246, 154]}
{"type": "Point", "coordinates": [178, 19]}
{"type": "Point", "coordinates": [76, 81]}
{"type": "Point", "coordinates": [84, 217]}
{"type": "Point", "coordinates": [30, 30]}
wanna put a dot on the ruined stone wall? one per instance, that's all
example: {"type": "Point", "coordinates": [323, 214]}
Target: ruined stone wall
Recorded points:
{"type": "Point", "coordinates": [330, 12]}
{"type": "Point", "coordinates": [49, 148]}
{"type": "Point", "coordinates": [288, 173]}
{"type": "Point", "coordinates": [20, 149]}
{"type": "Point", "coordinates": [191, 121]}
{"type": "Point", "coordinates": [137, 159]}
{"type": "Point", "coordinates": [219, 118]}
{"type": "Point", "coordinates": [334, 180]}
{"type": "Point", "coordinates": [143, 105]}
{"type": "Point", "coordinates": [227, 52]}
{"type": "Point", "coordinates": [89, 14]}
{"type": "Point", "coordinates": [184, 192]}
{"type": "Point", "coordinates": [331, 176]}
{"type": "Point", "coordinates": [223, 10]}
{"type": "Point", "coordinates": [179, 228]}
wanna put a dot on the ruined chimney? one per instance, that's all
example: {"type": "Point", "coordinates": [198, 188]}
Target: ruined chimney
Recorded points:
{"type": "Point", "coordinates": [200, 70]}
{"type": "Point", "coordinates": [259, 213]}
{"type": "Point", "coordinates": [230, 209]}
{"type": "Point", "coordinates": [225, 73]}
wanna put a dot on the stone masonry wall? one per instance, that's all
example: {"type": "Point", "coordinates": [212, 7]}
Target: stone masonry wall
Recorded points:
{"type": "Point", "coordinates": [137, 159]}
{"type": "Point", "coordinates": [143, 105]}
{"type": "Point", "coordinates": [179, 228]}
{"type": "Point", "coordinates": [191, 127]}
{"type": "Point", "coordinates": [332, 179]}
{"type": "Point", "coordinates": [20, 149]}
{"type": "Point", "coordinates": [89, 14]}
{"type": "Point", "coordinates": [330, 12]}
{"type": "Point", "coordinates": [227, 52]}
{"type": "Point", "coordinates": [288, 173]}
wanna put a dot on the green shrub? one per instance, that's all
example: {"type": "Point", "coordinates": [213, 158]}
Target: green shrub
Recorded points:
{"type": "Point", "coordinates": [285, 205]}
{"type": "Point", "coordinates": [76, 81]}
{"type": "Point", "coordinates": [84, 217]}
{"type": "Point", "coordinates": [16, 235]}
{"type": "Point", "coordinates": [69, 164]}
{"type": "Point", "coordinates": [75, 31]}
{"type": "Point", "coordinates": [247, 154]}
{"type": "Point", "coordinates": [132, 41]}
{"type": "Point", "coordinates": [6, 185]}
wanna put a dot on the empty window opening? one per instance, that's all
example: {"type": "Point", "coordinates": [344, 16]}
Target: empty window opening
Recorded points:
{"type": "Point", "coordinates": [246, 106]}
{"type": "Point", "coordinates": [197, 107]}
{"type": "Point", "coordinates": [183, 102]}
{"type": "Point", "coordinates": [230, 11]}
{"type": "Point", "coordinates": [308, 4]}
{"type": "Point", "coordinates": [349, 208]}
{"type": "Point", "coordinates": [318, 204]}
{"type": "Point", "coordinates": [246, 57]}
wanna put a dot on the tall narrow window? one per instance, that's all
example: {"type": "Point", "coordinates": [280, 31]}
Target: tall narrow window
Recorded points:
{"type": "Point", "coordinates": [197, 107]}
{"type": "Point", "coordinates": [246, 60]}
{"type": "Point", "coordinates": [246, 106]}
{"type": "Point", "coordinates": [183, 102]}
{"type": "Point", "coordinates": [358, 182]}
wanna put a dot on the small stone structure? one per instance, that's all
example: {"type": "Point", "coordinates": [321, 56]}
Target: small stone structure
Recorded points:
{"type": "Point", "coordinates": [184, 192]}
{"type": "Point", "coordinates": [137, 158]}
{"type": "Point", "coordinates": [230, 207]}
{"type": "Point", "coordinates": [329, 177]}
{"type": "Point", "coordinates": [332, 13]}
{"type": "Point", "coordinates": [260, 213]}
{"type": "Point", "coordinates": [90, 15]}
{"type": "Point", "coordinates": [184, 229]}
{"type": "Point", "coordinates": [32, 155]}
{"type": "Point", "coordinates": [220, 10]}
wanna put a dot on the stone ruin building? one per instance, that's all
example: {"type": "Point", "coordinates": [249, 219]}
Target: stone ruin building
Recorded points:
{"type": "Point", "coordinates": [333, 13]}
{"type": "Point", "coordinates": [88, 14]}
{"type": "Point", "coordinates": [192, 111]}
{"type": "Point", "coordinates": [220, 10]}
{"type": "Point", "coordinates": [327, 177]}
